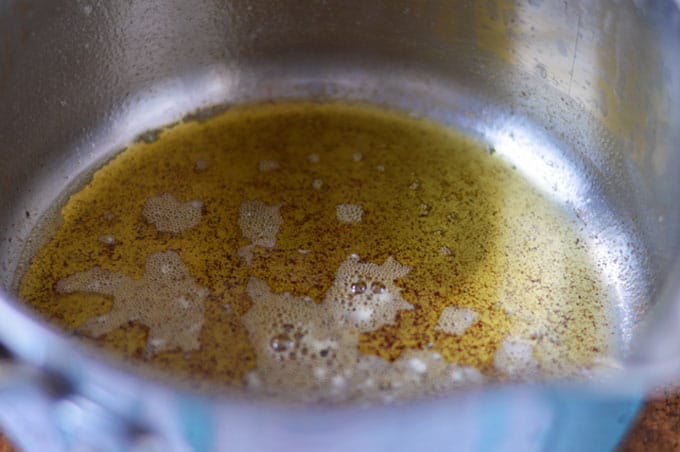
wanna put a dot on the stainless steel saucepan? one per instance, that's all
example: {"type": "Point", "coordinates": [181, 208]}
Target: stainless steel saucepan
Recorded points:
{"type": "Point", "coordinates": [582, 96]}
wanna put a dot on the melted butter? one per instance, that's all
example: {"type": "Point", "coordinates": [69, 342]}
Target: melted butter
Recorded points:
{"type": "Point", "coordinates": [476, 237]}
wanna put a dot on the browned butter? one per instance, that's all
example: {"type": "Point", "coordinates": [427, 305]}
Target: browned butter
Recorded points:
{"type": "Point", "coordinates": [322, 252]}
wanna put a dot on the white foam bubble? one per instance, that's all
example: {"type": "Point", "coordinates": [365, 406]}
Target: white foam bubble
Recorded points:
{"type": "Point", "coordinates": [314, 158]}
{"type": "Point", "coordinates": [515, 357]}
{"type": "Point", "coordinates": [357, 156]}
{"type": "Point", "coordinates": [147, 300]}
{"type": "Point", "coordinates": [252, 380]}
{"type": "Point", "coordinates": [170, 215]}
{"type": "Point", "coordinates": [291, 336]}
{"type": "Point", "coordinates": [260, 222]}
{"type": "Point", "coordinates": [317, 184]}
{"type": "Point", "coordinates": [455, 320]}
{"type": "Point", "coordinates": [418, 372]}
{"type": "Point", "coordinates": [349, 213]}
{"type": "Point", "coordinates": [364, 295]}
{"type": "Point", "coordinates": [417, 365]}
{"type": "Point", "coordinates": [338, 381]}
{"type": "Point", "coordinates": [362, 314]}
{"type": "Point", "coordinates": [320, 373]}
{"type": "Point", "coordinates": [309, 352]}
{"type": "Point", "coordinates": [465, 375]}
{"type": "Point", "coordinates": [107, 239]}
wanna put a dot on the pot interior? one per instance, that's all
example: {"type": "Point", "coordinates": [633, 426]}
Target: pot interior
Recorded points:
{"type": "Point", "coordinates": [579, 105]}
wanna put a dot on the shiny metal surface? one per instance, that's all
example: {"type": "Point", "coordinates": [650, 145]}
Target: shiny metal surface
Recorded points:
{"type": "Point", "coordinates": [583, 97]}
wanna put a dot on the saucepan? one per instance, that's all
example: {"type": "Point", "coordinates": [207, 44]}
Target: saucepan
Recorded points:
{"type": "Point", "coordinates": [582, 96]}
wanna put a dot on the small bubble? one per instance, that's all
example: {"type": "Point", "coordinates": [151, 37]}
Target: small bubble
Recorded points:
{"type": "Point", "coordinates": [314, 158]}
{"type": "Point", "coordinates": [380, 168]}
{"type": "Point", "coordinates": [349, 213]}
{"type": "Point", "coordinates": [338, 381]}
{"type": "Point", "coordinates": [268, 165]}
{"type": "Point", "coordinates": [358, 287]}
{"type": "Point", "coordinates": [252, 380]}
{"type": "Point", "coordinates": [201, 165]}
{"type": "Point", "coordinates": [415, 185]}
{"type": "Point", "coordinates": [317, 184]}
{"type": "Point", "coordinates": [156, 343]}
{"type": "Point", "coordinates": [281, 342]}
{"type": "Point", "coordinates": [107, 239]}
{"type": "Point", "coordinates": [320, 373]}
{"type": "Point", "coordinates": [424, 210]}
{"type": "Point", "coordinates": [417, 365]}
{"type": "Point", "coordinates": [357, 156]}
{"type": "Point", "coordinates": [377, 288]}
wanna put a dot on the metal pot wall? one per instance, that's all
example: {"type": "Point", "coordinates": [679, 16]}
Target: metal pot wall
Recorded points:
{"type": "Point", "coordinates": [592, 87]}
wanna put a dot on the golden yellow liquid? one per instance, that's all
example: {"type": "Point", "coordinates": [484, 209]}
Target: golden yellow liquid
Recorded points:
{"type": "Point", "coordinates": [474, 232]}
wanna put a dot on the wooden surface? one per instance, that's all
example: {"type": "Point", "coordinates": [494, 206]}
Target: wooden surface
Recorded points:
{"type": "Point", "coordinates": [5, 446]}
{"type": "Point", "coordinates": [657, 428]}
